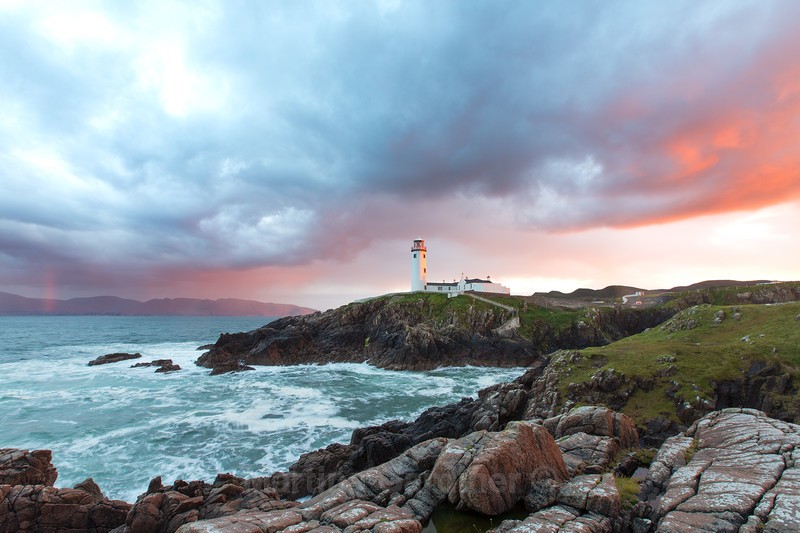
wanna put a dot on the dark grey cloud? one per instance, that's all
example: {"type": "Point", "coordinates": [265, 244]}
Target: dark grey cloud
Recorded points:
{"type": "Point", "coordinates": [238, 134]}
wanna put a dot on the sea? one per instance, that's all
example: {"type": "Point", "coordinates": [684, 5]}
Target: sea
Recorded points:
{"type": "Point", "coordinates": [123, 426]}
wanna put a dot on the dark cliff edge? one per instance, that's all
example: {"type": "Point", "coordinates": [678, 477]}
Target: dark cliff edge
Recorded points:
{"type": "Point", "coordinates": [426, 331]}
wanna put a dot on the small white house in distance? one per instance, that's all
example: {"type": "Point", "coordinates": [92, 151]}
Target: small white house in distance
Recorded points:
{"type": "Point", "coordinates": [419, 277]}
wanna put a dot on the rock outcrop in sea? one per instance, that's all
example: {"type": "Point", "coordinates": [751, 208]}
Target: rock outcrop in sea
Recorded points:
{"type": "Point", "coordinates": [162, 365]}
{"type": "Point", "coordinates": [114, 358]}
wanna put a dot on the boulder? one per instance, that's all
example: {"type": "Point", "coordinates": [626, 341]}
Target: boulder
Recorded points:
{"type": "Point", "coordinates": [44, 509]}
{"type": "Point", "coordinates": [592, 493]}
{"type": "Point", "coordinates": [114, 358]}
{"type": "Point", "coordinates": [164, 365]}
{"type": "Point", "coordinates": [165, 509]}
{"type": "Point", "coordinates": [229, 367]}
{"type": "Point", "coordinates": [733, 468]}
{"type": "Point", "coordinates": [595, 420]}
{"type": "Point", "coordinates": [168, 367]}
{"type": "Point", "coordinates": [559, 518]}
{"type": "Point", "coordinates": [252, 522]}
{"type": "Point", "coordinates": [541, 494]}
{"type": "Point", "coordinates": [394, 481]}
{"type": "Point", "coordinates": [585, 453]}
{"type": "Point", "coordinates": [491, 472]}
{"type": "Point", "coordinates": [90, 487]}
{"type": "Point", "coordinates": [23, 467]}
{"type": "Point", "coordinates": [350, 517]}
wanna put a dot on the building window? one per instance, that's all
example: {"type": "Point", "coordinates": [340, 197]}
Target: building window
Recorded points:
{"type": "Point", "coordinates": [415, 256]}
{"type": "Point", "coordinates": [426, 270]}
{"type": "Point", "coordinates": [423, 256]}
{"type": "Point", "coordinates": [439, 288]}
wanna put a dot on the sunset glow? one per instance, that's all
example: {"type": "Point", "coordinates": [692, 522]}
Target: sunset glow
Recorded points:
{"type": "Point", "coordinates": [290, 152]}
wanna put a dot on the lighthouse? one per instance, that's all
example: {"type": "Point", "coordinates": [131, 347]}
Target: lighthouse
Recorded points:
{"type": "Point", "coordinates": [419, 277]}
{"type": "Point", "coordinates": [419, 266]}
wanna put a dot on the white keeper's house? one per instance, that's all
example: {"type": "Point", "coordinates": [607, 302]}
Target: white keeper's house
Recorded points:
{"type": "Point", "coordinates": [419, 277]}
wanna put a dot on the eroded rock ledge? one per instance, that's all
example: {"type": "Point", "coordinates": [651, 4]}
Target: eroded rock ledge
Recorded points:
{"type": "Point", "coordinates": [733, 470]}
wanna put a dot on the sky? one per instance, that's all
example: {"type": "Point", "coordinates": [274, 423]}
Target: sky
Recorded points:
{"type": "Point", "coordinates": [291, 151]}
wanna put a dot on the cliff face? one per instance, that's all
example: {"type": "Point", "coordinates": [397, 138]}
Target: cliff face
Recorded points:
{"type": "Point", "coordinates": [394, 333]}
{"type": "Point", "coordinates": [422, 332]}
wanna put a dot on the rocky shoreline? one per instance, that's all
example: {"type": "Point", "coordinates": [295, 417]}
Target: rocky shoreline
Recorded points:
{"type": "Point", "coordinates": [732, 470]}
{"type": "Point", "coordinates": [580, 469]}
{"type": "Point", "coordinates": [558, 449]}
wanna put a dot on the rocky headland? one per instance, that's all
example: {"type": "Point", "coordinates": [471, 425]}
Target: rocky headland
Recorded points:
{"type": "Point", "coordinates": [426, 331]}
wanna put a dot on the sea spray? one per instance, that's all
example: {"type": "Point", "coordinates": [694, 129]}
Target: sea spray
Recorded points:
{"type": "Point", "coordinates": [122, 426]}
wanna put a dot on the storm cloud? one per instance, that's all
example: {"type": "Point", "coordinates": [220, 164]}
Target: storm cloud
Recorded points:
{"type": "Point", "coordinates": [230, 135]}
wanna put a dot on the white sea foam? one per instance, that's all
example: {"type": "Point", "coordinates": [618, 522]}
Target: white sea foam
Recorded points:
{"type": "Point", "coordinates": [123, 426]}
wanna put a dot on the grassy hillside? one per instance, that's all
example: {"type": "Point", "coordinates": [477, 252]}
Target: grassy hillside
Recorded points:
{"type": "Point", "coordinates": [739, 294]}
{"type": "Point", "coordinates": [437, 303]}
{"type": "Point", "coordinates": [683, 358]}
{"type": "Point", "coordinates": [439, 308]}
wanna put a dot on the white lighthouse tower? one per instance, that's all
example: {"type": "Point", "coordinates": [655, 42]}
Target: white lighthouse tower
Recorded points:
{"type": "Point", "coordinates": [419, 266]}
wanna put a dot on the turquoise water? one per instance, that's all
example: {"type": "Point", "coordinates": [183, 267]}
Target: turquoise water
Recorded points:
{"type": "Point", "coordinates": [123, 426]}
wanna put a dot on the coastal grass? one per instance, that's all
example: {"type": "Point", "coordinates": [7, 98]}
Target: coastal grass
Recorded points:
{"type": "Point", "coordinates": [439, 308]}
{"type": "Point", "coordinates": [697, 346]}
{"type": "Point", "coordinates": [646, 455]}
{"type": "Point", "coordinates": [438, 303]}
{"type": "Point", "coordinates": [733, 294]}
{"type": "Point", "coordinates": [628, 489]}
{"type": "Point", "coordinates": [691, 450]}
{"type": "Point", "coordinates": [533, 318]}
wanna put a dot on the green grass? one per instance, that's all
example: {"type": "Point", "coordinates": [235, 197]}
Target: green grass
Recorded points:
{"type": "Point", "coordinates": [703, 354]}
{"type": "Point", "coordinates": [646, 455]}
{"type": "Point", "coordinates": [691, 450]}
{"type": "Point", "coordinates": [535, 322]}
{"type": "Point", "coordinates": [441, 309]}
{"type": "Point", "coordinates": [628, 489]}
{"type": "Point", "coordinates": [730, 295]}
{"type": "Point", "coordinates": [535, 319]}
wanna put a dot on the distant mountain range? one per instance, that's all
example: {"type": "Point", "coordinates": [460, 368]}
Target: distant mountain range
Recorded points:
{"type": "Point", "coordinates": [12, 304]}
